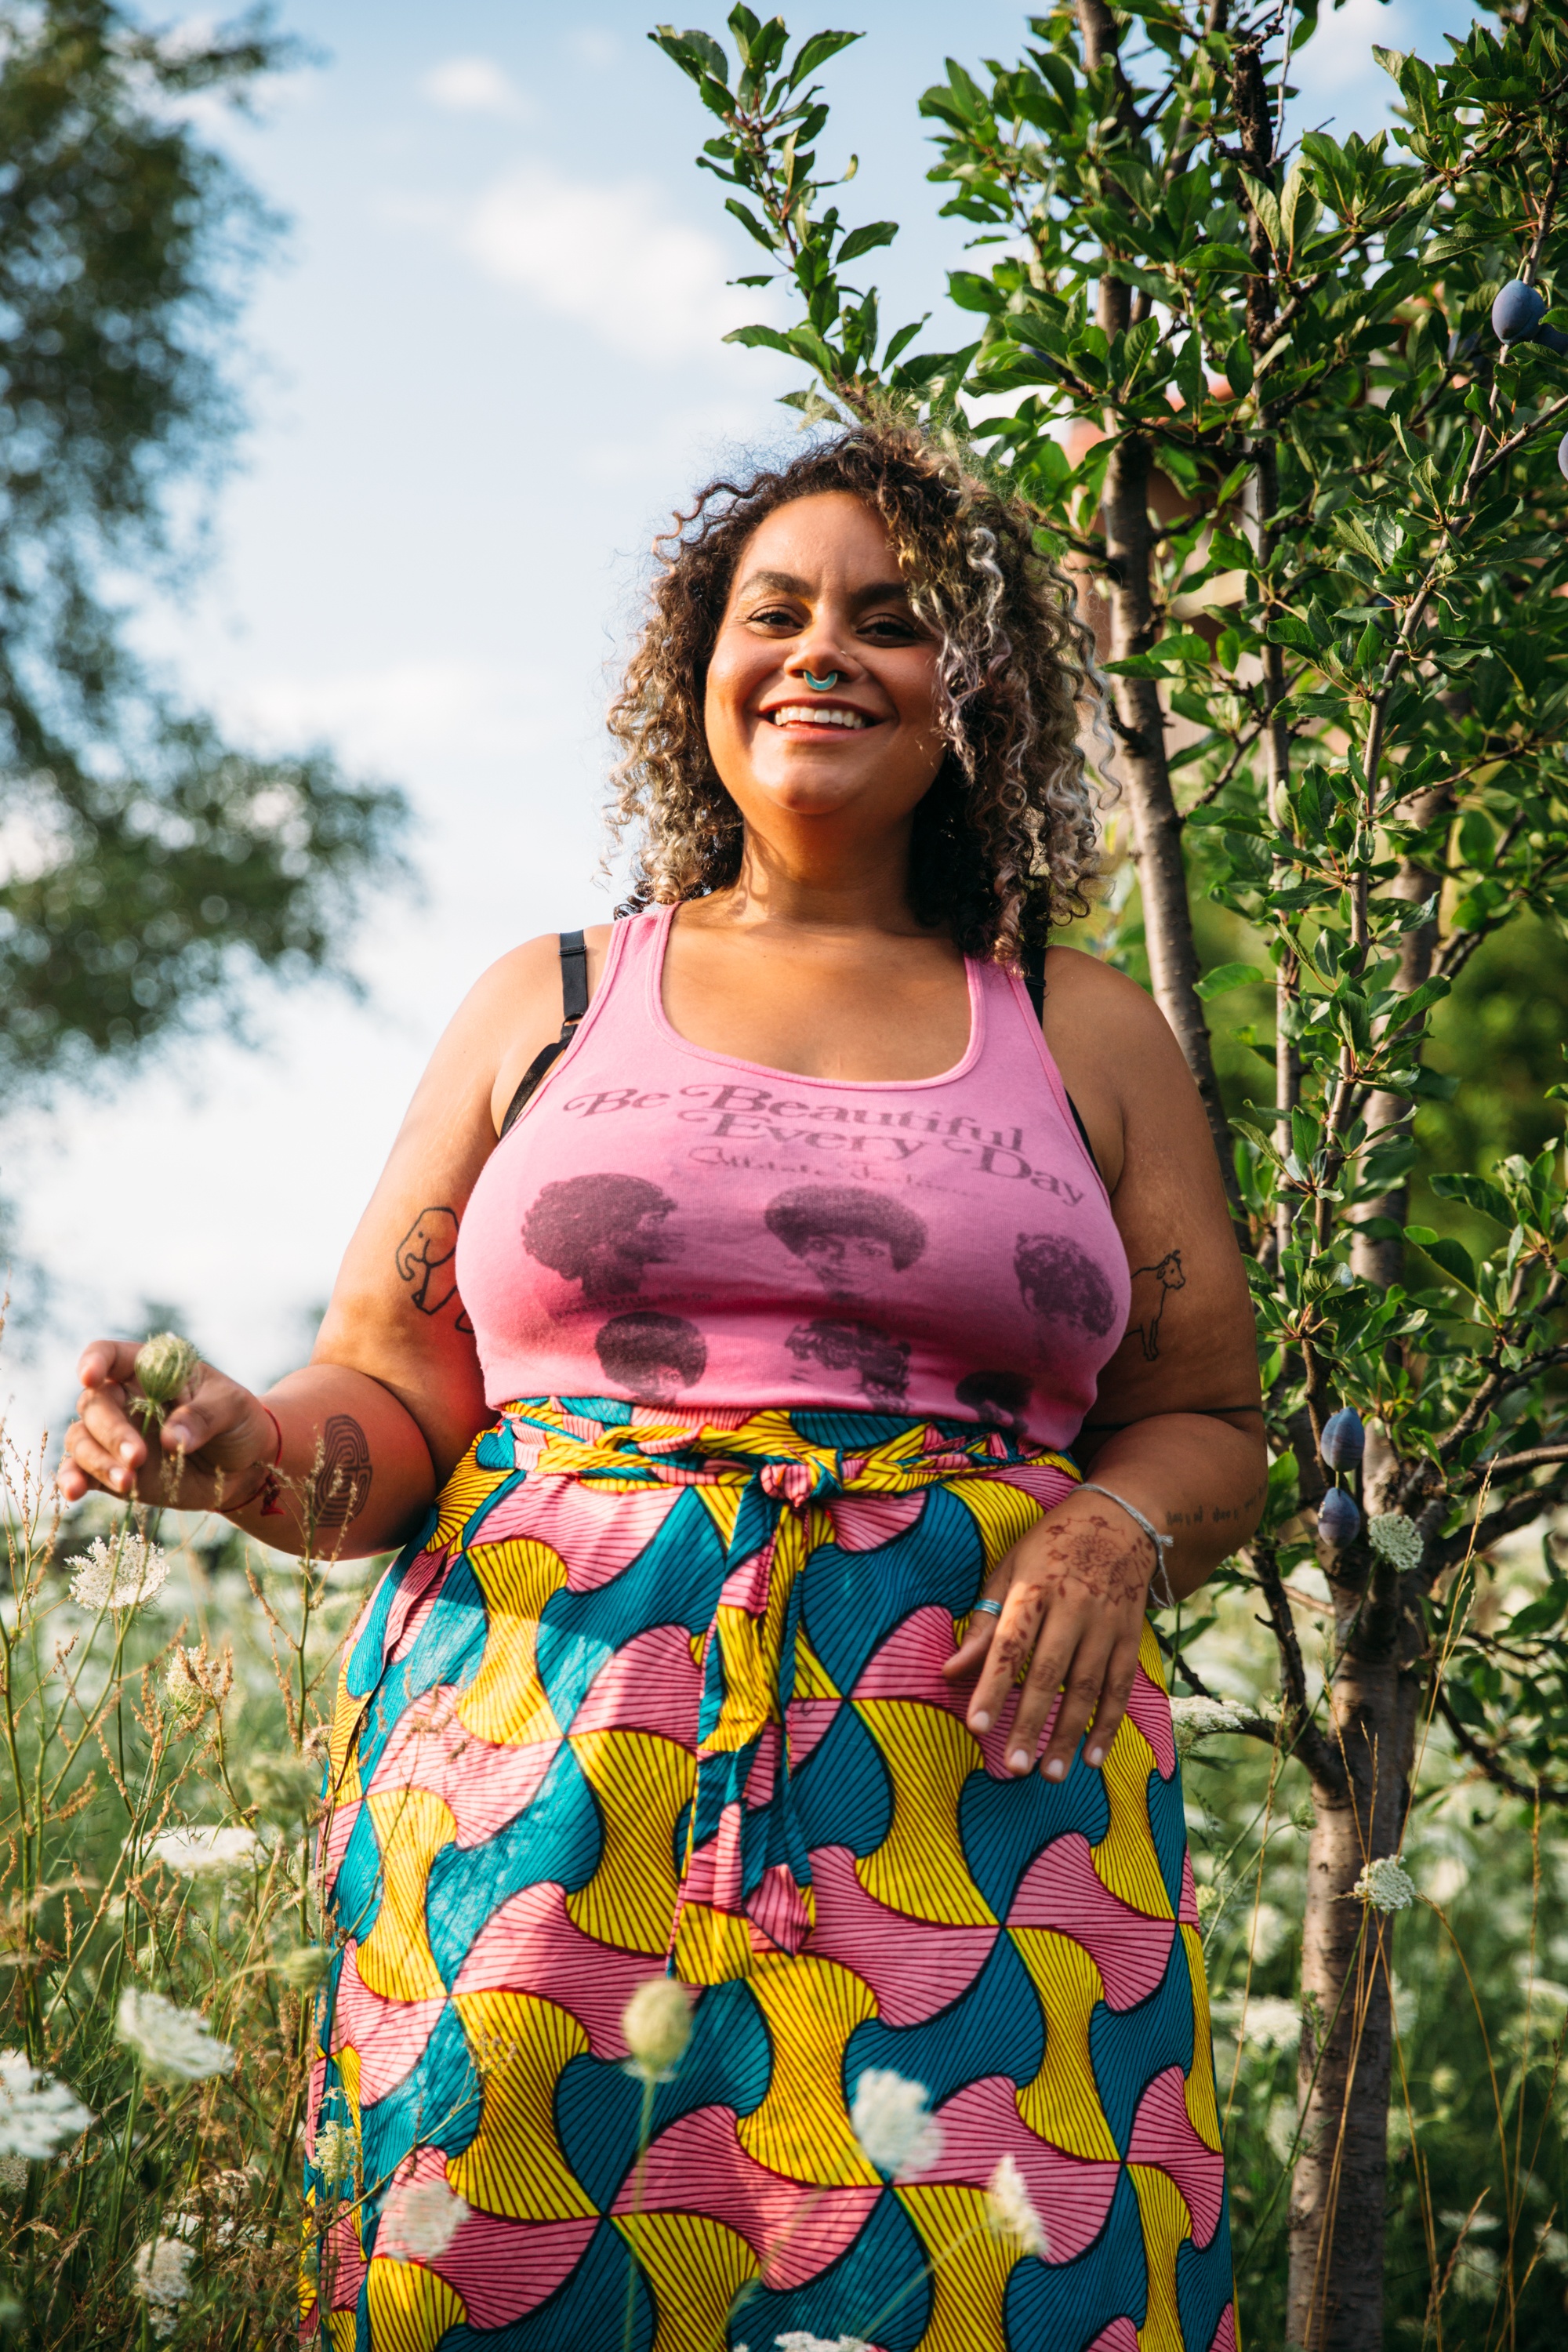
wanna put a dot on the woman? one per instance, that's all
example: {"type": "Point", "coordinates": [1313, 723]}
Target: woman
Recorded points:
{"type": "Point", "coordinates": [743, 1557]}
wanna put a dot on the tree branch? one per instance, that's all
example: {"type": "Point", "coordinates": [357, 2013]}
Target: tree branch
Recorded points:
{"type": "Point", "coordinates": [1545, 1792]}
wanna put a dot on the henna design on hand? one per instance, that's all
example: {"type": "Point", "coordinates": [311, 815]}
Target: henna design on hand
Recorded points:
{"type": "Point", "coordinates": [340, 1488]}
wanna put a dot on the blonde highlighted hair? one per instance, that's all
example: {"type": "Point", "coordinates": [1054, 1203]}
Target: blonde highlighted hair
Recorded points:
{"type": "Point", "coordinates": [1008, 836]}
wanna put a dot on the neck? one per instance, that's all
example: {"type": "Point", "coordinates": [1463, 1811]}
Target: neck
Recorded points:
{"type": "Point", "coordinates": [860, 886]}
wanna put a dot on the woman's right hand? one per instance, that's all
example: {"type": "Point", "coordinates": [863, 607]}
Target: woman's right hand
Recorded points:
{"type": "Point", "coordinates": [225, 1435]}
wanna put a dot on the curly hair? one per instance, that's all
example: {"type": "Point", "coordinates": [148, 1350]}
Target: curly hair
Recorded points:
{"type": "Point", "coordinates": [1007, 836]}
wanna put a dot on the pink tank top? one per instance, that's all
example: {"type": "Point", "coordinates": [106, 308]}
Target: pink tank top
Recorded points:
{"type": "Point", "coordinates": [670, 1226]}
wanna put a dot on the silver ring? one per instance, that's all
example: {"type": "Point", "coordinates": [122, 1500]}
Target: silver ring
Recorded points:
{"type": "Point", "coordinates": [986, 1608]}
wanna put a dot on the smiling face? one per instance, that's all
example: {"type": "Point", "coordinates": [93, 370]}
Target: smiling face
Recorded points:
{"type": "Point", "coordinates": [816, 591]}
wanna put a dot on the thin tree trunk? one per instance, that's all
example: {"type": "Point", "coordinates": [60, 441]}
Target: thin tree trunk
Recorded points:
{"type": "Point", "coordinates": [1338, 2194]}
{"type": "Point", "coordinates": [1140, 719]}
{"type": "Point", "coordinates": [1382, 1260]}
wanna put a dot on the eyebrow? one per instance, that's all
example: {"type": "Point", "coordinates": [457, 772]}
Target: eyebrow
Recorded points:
{"type": "Point", "coordinates": [787, 583]}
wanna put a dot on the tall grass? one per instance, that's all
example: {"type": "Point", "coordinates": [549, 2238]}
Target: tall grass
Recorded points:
{"type": "Point", "coordinates": [158, 1769]}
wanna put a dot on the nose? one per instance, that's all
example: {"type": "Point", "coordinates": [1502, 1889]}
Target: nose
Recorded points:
{"type": "Point", "coordinates": [822, 649]}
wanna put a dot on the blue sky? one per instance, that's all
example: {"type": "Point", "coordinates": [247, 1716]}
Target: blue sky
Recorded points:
{"type": "Point", "coordinates": [488, 365]}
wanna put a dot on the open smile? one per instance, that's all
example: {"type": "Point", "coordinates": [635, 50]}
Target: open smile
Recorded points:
{"type": "Point", "coordinates": [819, 718]}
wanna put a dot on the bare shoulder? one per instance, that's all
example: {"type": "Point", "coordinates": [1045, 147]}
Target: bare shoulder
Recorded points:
{"type": "Point", "coordinates": [1083, 992]}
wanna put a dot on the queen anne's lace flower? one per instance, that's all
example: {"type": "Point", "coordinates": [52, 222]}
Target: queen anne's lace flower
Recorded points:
{"type": "Point", "coordinates": [38, 2114]}
{"type": "Point", "coordinates": [193, 1679]}
{"type": "Point", "coordinates": [1193, 1719]}
{"type": "Point", "coordinates": [200, 1848]}
{"type": "Point", "coordinates": [424, 2216]}
{"type": "Point", "coordinates": [335, 2153]}
{"type": "Point", "coordinates": [124, 1574]}
{"type": "Point", "coordinates": [656, 2023]}
{"type": "Point", "coordinates": [1386, 1885]}
{"type": "Point", "coordinates": [1396, 1540]}
{"type": "Point", "coordinates": [1267, 2022]}
{"type": "Point", "coordinates": [798, 2341]}
{"type": "Point", "coordinates": [891, 2120]}
{"type": "Point", "coordinates": [162, 2280]}
{"type": "Point", "coordinates": [1012, 2209]}
{"type": "Point", "coordinates": [169, 2040]}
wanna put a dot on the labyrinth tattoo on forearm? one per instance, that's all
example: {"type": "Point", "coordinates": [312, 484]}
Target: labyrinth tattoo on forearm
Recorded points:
{"type": "Point", "coordinates": [340, 1488]}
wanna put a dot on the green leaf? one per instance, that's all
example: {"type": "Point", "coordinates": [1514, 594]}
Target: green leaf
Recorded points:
{"type": "Point", "coordinates": [695, 53]}
{"type": "Point", "coordinates": [1238, 367]}
{"type": "Point", "coordinates": [866, 240]}
{"type": "Point", "coordinates": [1476, 1193]}
{"type": "Point", "coordinates": [1227, 976]}
{"type": "Point", "coordinates": [1455, 1260]}
{"type": "Point", "coordinates": [816, 52]}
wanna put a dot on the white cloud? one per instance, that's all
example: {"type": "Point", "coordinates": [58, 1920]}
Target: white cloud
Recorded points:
{"type": "Point", "coordinates": [647, 286]}
{"type": "Point", "coordinates": [411, 713]}
{"type": "Point", "coordinates": [475, 86]}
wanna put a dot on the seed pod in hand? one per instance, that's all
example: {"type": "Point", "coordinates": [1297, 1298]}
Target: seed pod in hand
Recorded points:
{"type": "Point", "coordinates": [165, 1365]}
{"type": "Point", "coordinates": [1338, 1518]}
{"type": "Point", "coordinates": [1516, 312]}
{"type": "Point", "coordinates": [1343, 1439]}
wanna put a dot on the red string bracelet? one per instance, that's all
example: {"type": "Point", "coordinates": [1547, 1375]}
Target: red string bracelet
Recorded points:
{"type": "Point", "coordinates": [270, 1493]}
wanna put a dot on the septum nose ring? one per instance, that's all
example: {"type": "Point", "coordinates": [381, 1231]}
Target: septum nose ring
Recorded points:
{"type": "Point", "coordinates": [821, 685]}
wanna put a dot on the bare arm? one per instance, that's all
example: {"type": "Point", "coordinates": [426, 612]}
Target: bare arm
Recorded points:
{"type": "Point", "coordinates": [1176, 1429]}
{"type": "Point", "coordinates": [346, 1454]}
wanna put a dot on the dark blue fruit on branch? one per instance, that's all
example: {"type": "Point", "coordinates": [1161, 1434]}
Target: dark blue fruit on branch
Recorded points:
{"type": "Point", "coordinates": [1343, 1439]}
{"type": "Point", "coordinates": [1516, 312]}
{"type": "Point", "coordinates": [1338, 1518]}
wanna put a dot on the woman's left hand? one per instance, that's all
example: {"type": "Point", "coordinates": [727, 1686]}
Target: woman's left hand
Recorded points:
{"type": "Point", "coordinates": [1073, 1591]}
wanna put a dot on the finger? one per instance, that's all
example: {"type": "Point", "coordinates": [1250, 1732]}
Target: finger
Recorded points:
{"type": "Point", "coordinates": [974, 1648]}
{"type": "Point", "coordinates": [105, 1419]}
{"type": "Point", "coordinates": [1120, 1676]}
{"type": "Point", "coordinates": [199, 1418]}
{"type": "Point", "coordinates": [1075, 1671]}
{"type": "Point", "coordinates": [107, 1360]}
{"type": "Point", "coordinates": [97, 1461]}
{"type": "Point", "coordinates": [1011, 1647]}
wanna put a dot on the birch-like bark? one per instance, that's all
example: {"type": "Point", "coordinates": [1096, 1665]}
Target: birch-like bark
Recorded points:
{"type": "Point", "coordinates": [1337, 2204]}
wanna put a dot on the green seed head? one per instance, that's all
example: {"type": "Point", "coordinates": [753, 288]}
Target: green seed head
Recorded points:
{"type": "Point", "coordinates": [165, 1365]}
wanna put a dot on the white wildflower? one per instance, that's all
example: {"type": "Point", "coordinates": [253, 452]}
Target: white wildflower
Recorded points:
{"type": "Point", "coordinates": [170, 2040]}
{"type": "Point", "coordinates": [426, 2215]}
{"type": "Point", "coordinates": [201, 1848]}
{"type": "Point", "coordinates": [1267, 2022]}
{"type": "Point", "coordinates": [162, 2280]}
{"type": "Point", "coordinates": [165, 1365]}
{"type": "Point", "coordinates": [193, 1679]}
{"type": "Point", "coordinates": [798, 2341]}
{"type": "Point", "coordinates": [123, 1574]}
{"type": "Point", "coordinates": [1012, 2207]}
{"type": "Point", "coordinates": [1386, 1885]}
{"type": "Point", "coordinates": [1396, 1540]}
{"type": "Point", "coordinates": [656, 2023]}
{"type": "Point", "coordinates": [892, 2122]}
{"type": "Point", "coordinates": [1193, 1719]}
{"type": "Point", "coordinates": [335, 2153]}
{"type": "Point", "coordinates": [38, 2114]}
{"type": "Point", "coordinates": [13, 2175]}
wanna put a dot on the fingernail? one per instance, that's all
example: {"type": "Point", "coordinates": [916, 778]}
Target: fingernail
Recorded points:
{"type": "Point", "coordinates": [1019, 1760]}
{"type": "Point", "coordinates": [127, 1448]}
{"type": "Point", "coordinates": [1095, 1756]}
{"type": "Point", "coordinates": [1055, 1769]}
{"type": "Point", "coordinates": [980, 1720]}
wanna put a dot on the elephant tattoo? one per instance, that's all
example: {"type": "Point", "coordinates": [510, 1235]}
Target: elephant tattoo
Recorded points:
{"type": "Point", "coordinates": [424, 1258]}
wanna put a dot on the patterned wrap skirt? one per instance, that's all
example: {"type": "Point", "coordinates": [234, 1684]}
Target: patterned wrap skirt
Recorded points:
{"type": "Point", "coordinates": [664, 1695]}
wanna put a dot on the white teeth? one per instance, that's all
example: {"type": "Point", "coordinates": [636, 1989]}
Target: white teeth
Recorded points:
{"type": "Point", "coordinates": [812, 714]}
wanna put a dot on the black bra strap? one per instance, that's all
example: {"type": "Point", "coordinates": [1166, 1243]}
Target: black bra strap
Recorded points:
{"type": "Point", "coordinates": [1034, 977]}
{"type": "Point", "coordinates": [1033, 971]}
{"type": "Point", "coordinates": [575, 1004]}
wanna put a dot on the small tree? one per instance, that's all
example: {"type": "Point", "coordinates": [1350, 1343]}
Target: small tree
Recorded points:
{"type": "Point", "coordinates": [152, 863]}
{"type": "Point", "coordinates": [1311, 441]}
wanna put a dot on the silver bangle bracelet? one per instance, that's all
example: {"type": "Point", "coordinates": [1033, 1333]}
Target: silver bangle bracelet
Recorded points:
{"type": "Point", "coordinates": [1160, 1582]}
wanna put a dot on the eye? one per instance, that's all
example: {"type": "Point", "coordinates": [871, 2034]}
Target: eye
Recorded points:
{"type": "Point", "coordinates": [775, 616]}
{"type": "Point", "coordinates": [890, 628]}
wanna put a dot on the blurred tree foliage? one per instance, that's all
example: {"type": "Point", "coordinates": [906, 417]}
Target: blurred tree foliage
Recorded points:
{"type": "Point", "coordinates": [147, 868]}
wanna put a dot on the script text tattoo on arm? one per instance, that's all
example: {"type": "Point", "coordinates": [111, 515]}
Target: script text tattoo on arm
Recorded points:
{"type": "Point", "coordinates": [425, 1258]}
